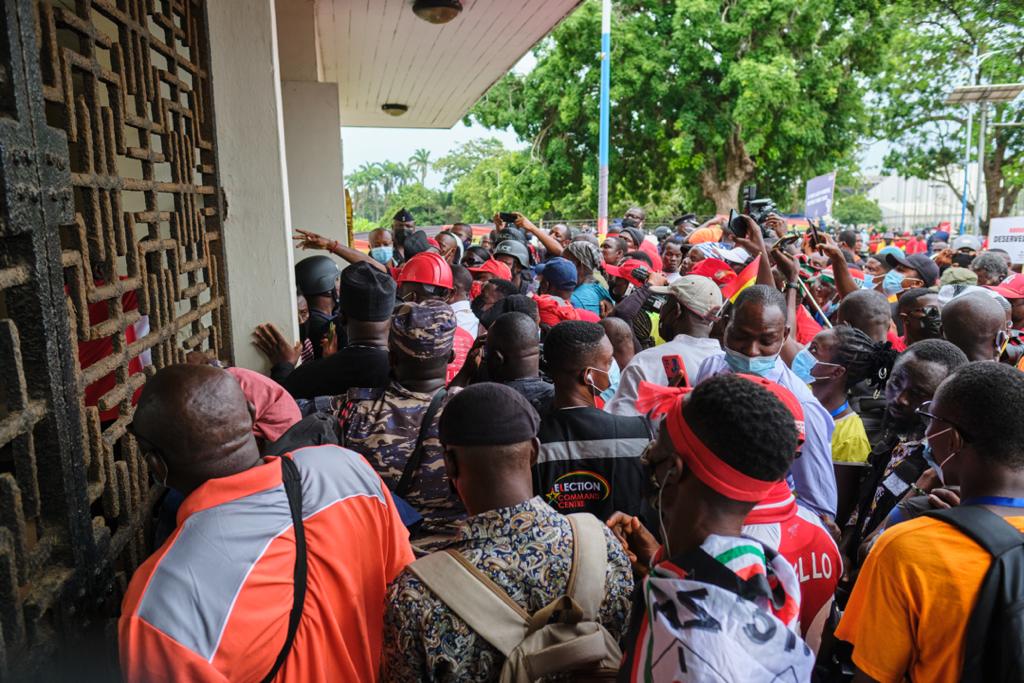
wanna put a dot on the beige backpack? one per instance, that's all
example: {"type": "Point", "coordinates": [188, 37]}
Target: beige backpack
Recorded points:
{"type": "Point", "coordinates": [563, 637]}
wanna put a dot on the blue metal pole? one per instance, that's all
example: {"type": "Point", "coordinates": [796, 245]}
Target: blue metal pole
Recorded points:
{"type": "Point", "coordinates": [602, 182]}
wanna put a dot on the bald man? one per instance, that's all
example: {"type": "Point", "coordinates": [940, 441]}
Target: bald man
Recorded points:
{"type": "Point", "coordinates": [975, 323]}
{"type": "Point", "coordinates": [867, 310]}
{"type": "Point", "coordinates": [624, 344]}
{"type": "Point", "coordinates": [255, 535]}
{"type": "Point", "coordinates": [513, 359]}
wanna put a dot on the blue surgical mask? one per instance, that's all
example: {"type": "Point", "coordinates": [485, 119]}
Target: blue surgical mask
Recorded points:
{"type": "Point", "coordinates": [382, 254]}
{"type": "Point", "coordinates": [803, 363]}
{"type": "Point", "coordinates": [929, 458]}
{"type": "Point", "coordinates": [760, 365]}
{"type": "Point", "coordinates": [869, 281]}
{"type": "Point", "coordinates": [893, 282]}
{"type": "Point", "coordinates": [614, 374]}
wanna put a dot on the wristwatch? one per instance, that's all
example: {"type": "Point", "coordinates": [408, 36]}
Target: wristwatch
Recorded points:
{"type": "Point", "coordinates": [792, 285]}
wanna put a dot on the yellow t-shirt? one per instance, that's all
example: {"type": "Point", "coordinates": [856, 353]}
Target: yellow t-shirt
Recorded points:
{"type": "Point", "coordinates": [912, 601]}
{"type": "Point", "coordinates": [849, 440]}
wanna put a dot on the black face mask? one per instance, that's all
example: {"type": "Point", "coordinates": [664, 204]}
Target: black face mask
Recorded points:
{"type": "Point", "coordinates": [962, 260]}
{"type": "Point", "coordinates": [931, 324]}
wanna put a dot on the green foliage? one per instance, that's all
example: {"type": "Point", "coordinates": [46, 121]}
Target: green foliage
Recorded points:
{"type": "Point", "coordinates": [930, 56]}
{"type": "Point", "coordinates": [420, 162]}
{"type": "Point", "coordinates": [465, 158]}
{"type": "Point", "coordinates": [361, 225]}
{"type": "Point", "coordinates": [856, 209]}
{"type": "Point", "coordinates": [705, 96]}
{"type": "Point", "coordinates": [429, 207]}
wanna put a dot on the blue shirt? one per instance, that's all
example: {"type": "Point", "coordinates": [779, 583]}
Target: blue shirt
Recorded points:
{"type": "Point", "coordinates": [811, 472]}
{"type": "Point", "coordinates": [588, 296]}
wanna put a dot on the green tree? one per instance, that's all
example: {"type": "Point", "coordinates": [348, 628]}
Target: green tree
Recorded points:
{"type": "Point", "coordinates": [420, 162]}
{"type": "Point", "coordinates": [465, 157]}
{"type": "Point", "coordinates": [428, 207]}
{"type": "Point", "coordinates": [857, 209]}
{"type": "Point", "coordinates": [706, 96]}
{"type": "Point", "coordinates": [928, 57]}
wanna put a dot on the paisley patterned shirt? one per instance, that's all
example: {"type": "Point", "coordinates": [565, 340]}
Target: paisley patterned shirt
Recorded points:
{"type": "Point", "coordinates": [527, 550]}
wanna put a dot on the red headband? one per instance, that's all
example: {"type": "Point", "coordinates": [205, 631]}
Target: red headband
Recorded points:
{"type": "Point", "coordinates": [709, 468]}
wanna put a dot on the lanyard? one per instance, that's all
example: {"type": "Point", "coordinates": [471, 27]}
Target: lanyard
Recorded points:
{"type": "Point", "coordinates": [839, 410]}
{"type": "Point", "coordinates": [1000, 501]}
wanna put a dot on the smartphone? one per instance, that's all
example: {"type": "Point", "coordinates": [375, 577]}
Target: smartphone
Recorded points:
{"type": "Point", "coordinates": [507, 217]}
{"type": "Point", "coordinates": [786, 241]}
{"type": "Point", "coordinates": [675, 370]}
{"type": "Point", "coordinates": [736, 225]}
{"type": "Point", "coordinates": [816, 237]}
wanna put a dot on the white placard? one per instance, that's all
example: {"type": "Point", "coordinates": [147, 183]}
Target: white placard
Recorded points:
{"type": "Point", "coordinates": [1008, 234]}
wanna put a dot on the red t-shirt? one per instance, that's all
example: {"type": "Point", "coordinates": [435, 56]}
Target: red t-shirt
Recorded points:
{"type": "Point", "coordinates": [460, 347]}
{"type": "Point", "coordinates": [93, 351]}
{"type": "Point", "coordinates": [799, 536]}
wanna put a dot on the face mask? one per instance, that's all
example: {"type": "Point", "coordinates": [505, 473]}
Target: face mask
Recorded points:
{"type": "Point", "coordinates": [476, 289]}
{"type": "Point", "coordinates": [803, 363]}
{"type": "Point", "coordinates": [382, 254]}
{"type": "Point", "coordinates": [594, 391]}
{"type": "Point", "coordinates": [869, 281]}
{"type": "Point", "coordinates": [613, 382]}
{"type": "Point", "coordinates": [831, 308]}
{"type": "Point", "coordinates": [928, 457]}
{"type": "Point", "coordinates": [893, 282]}
{"type": "Point", "coordinates": [931, 324]}
{"type": "Point", "coordinates": [760, 366]}
{"type": "Point", "coordinates": [962, 260]}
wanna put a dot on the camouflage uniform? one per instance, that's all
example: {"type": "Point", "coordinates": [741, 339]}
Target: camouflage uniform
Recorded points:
{"type": "Point", "coordinates": [383, 424]}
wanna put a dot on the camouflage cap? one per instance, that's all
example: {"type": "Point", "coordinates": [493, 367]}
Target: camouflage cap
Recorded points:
{"type": "Point", "coordinates": [424, 330]}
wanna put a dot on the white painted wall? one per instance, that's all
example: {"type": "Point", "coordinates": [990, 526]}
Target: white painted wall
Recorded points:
{"type": "Point", "coordinates": [312, 132]}
{"type": "Point", "coordinates": [253, 171]}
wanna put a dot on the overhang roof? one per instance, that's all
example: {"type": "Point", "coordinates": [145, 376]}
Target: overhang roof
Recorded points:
{"type": "Point", "coordinates": [378, 52]}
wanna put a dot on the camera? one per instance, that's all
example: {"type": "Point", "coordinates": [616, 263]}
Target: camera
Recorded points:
{"type": "Point", "coordinates": [757, 208]}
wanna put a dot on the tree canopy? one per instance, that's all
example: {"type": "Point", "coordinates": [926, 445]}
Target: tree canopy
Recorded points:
{"type": "Point", "coordinates": [856, 209]}
{"type": "Point", "coordinates": [705, 97]}
{"type": "Point", "coordinates": [927, 58]}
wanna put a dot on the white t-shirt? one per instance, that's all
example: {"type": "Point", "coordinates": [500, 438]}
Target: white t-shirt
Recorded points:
{"type": "Point", "coordinates": [647, 366]}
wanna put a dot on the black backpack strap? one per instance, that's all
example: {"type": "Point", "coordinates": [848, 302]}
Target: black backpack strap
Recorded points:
{"type": "Point", "coordinates": [984, 527]}
{"type": "Point", "coordinates": [997, 536]}
{"type": "Point", "coordinates": [416, 457]}
{"type": "Point", "coordinates": [293, 489]}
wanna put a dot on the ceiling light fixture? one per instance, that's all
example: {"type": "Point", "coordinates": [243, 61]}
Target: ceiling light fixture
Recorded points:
{"type": "Point", "coordinates": [394, 109]}
{"type": "Point", "coordinates": [437, 11]}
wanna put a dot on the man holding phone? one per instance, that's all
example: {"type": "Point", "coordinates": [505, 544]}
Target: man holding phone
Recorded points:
{"type": "Point", "coordinates": [685, 319]}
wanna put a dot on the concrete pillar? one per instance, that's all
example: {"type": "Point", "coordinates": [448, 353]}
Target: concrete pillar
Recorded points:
{"type": "Point", "coordinates": [253, 172]}
{"type": "Point", "coordinates": [312, 132]}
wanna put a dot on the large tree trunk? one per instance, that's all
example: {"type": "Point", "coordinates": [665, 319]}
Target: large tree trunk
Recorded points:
{"type": "Point", "coordinates": [724, 188]}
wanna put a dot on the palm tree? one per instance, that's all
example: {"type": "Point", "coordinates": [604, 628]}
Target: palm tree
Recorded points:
{"type": "Point", "coordinates": [420, 161]}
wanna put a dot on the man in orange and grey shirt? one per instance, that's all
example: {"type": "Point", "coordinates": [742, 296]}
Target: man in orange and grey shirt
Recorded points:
{"type": "Point", "coordinates": [213, 603]}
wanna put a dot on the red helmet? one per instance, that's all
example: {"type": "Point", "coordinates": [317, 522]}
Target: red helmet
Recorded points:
{"type": "Point", "coordinates": [427, 268]}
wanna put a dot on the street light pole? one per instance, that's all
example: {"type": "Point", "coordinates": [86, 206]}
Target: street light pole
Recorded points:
{"type": "Point", "coordinates": [980, 187]}
{"type": "Point", "coordinates": [606, 58]}
{"type": "Point", "coordinates": [967, 143]}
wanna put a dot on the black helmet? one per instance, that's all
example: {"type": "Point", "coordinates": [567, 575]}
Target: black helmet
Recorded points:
{"type": "Point", "coordinates": [316, 275]}
{"type": "Point", "coordinates": [662, 232]}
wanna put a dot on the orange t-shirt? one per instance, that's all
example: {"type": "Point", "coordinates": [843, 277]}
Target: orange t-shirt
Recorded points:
{"type": "Point", "coordinates": [212, 604]}
{"type": "Point", "coordinates": [912, 601]}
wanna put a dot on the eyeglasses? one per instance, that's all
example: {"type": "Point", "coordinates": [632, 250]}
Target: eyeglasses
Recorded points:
{"type": "Point", "coordinates": [923, 411]}
{"type": "Point", "coordinates": [926, 312]}
{"type": "Point", "coordinates": [912, 282]}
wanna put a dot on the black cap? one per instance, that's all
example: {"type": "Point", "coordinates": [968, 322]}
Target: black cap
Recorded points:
{"type": "Point", "coordinates": [403, 216]}
{"type": "Point", "coordinates": [922, 263]}
{"type": "Point", "coordinates": [488, 414]}
{"type": "Point", "coordinates": [367, 294]}
{"type": "Point", "coordinates": [690, 218]}
{"type": "Point", "coordinates": [415, 243]}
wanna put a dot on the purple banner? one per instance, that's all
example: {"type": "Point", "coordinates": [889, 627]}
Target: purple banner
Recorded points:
{"type": "Point", "coordinates": [818, 198]}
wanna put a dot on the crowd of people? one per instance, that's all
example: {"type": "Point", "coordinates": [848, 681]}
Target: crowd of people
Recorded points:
{"type": "Point", "coordinates": [727, 450]}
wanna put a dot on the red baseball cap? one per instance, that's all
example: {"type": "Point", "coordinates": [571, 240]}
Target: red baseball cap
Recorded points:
{"type": "Point", "coordinates": [495, 268]}
{"type": "Point", "coordinates": [626, 268]}
{"type": "Point", "coordinates": [1010, 288]}
{"type": "Point", "coordinates": [716, 269]}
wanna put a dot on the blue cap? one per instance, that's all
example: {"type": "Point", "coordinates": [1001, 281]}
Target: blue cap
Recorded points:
{"type": "Point", "coordinates": [559, 272]}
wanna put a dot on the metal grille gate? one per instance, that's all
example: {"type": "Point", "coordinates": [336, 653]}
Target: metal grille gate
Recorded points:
{"type": "Point", "coordinates": [111, 264]}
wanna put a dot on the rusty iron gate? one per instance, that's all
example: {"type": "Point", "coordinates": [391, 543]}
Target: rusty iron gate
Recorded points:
{"type": "Point", "coordinates": [111, 265]}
